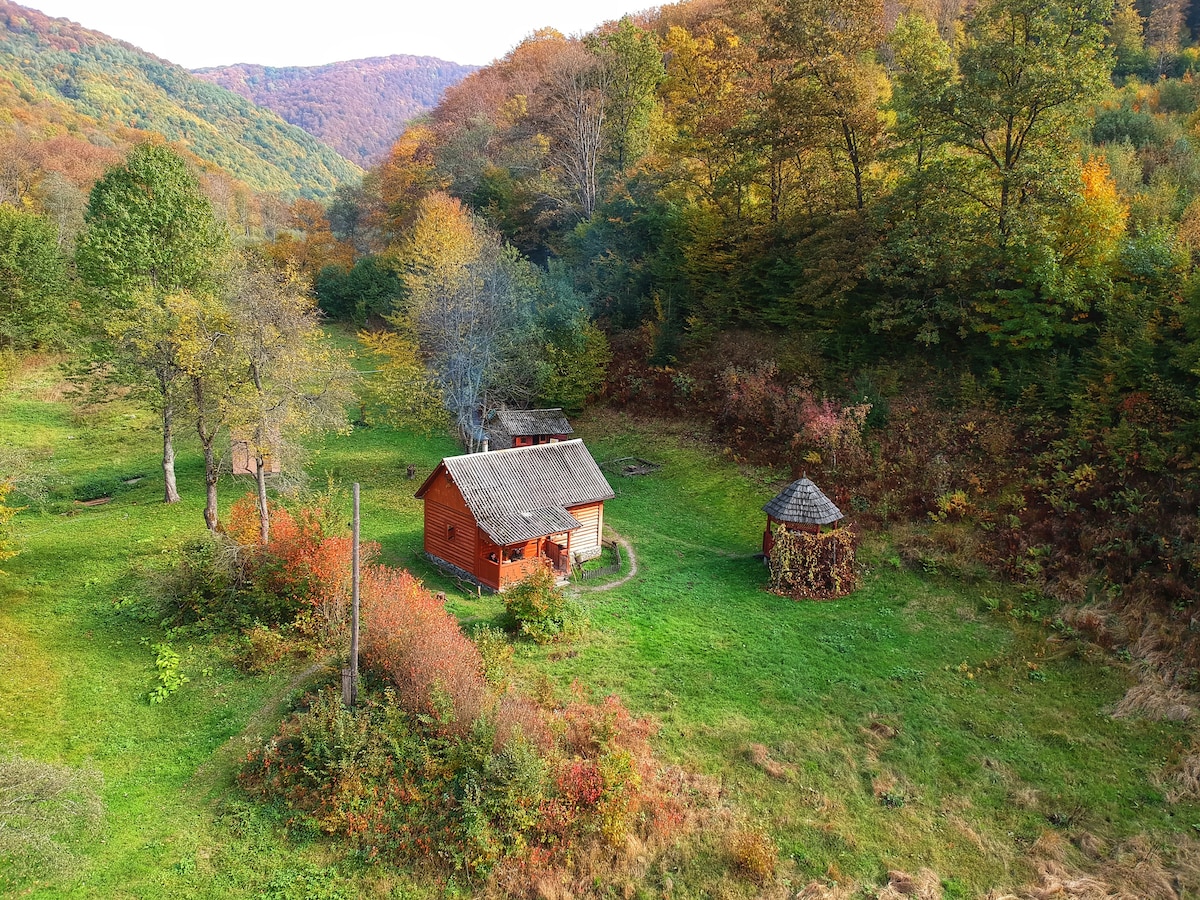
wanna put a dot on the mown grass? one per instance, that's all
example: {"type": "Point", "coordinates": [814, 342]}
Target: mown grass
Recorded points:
{"type": "Point", "coordinates": [907, 725]}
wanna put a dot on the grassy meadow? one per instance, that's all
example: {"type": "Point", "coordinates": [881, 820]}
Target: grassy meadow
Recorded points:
{"type": "Point", "coordinates": [909, 725]}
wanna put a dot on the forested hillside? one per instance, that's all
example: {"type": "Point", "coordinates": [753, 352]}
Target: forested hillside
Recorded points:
{"type": "Point", "coordinates": [59, 79]}
{"type": "Point", "coordinates": [977, 224]}
{"type": "Point", "coordinates": [357, 107]}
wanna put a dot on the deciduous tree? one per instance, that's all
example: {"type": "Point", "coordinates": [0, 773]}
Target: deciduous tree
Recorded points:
{"type": "Point", "coordinates": [295, 384]}
{"type": "Point", "coordinates": [33, 282]}
{"type": "Point", "coordinates": [149, 232]}
{"type": "Point", "coordinates": [205, 348]}
{"type": "Point", "coordinates": [469, 302]}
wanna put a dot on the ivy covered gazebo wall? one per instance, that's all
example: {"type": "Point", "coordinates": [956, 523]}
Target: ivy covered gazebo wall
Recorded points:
{"type": "Point", "coordinates": [813, 566]}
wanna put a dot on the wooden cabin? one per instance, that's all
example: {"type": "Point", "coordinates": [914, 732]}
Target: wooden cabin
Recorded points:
{"type": "Point", "coordinates": [242, 457]}
{"type": "Point", "coordinates": [801, 506]}
{"type": "Point", "coordinates": [507, 428]}
{"type": "Point", "coordinates": [494, 517]}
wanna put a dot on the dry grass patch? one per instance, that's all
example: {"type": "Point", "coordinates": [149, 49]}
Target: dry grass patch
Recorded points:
{"type": "Point", "coordinates": [1182, 781]}
{"type": "Point", "coordinates": [819, 890]}
{"type": "Point", "coordinates": [1136, 870]}
{"type": "Point", "coordinates": [753, 852]}
{"type": "Point", "coordinates": [760, 758]}
{"type": "Point", "coordinates": [1156, 699]}
{"type": "Point", "coordinates": [925, 885]}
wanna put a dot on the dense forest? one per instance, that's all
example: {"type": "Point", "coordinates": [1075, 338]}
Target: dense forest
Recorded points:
{"type": "Point", "coordinates": [978, 225]}
{"type": "Point", "coordinates": [63, 81]}
{"type": "Point", "coordinates": [356, 107]}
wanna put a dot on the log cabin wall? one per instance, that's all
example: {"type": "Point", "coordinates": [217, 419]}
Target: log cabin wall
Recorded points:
{"type": "Point", "coordinates": [585, 543]}
{"type": "Point", "coordinates": [450, 530]}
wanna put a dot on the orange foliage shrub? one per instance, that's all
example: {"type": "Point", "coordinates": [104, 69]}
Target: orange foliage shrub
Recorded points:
{"type": "Point", "coordinates": [438, 767]}
{"type": "Point", "coordinates": [410, 638]}
{"type": "Point", "coordinates": [302, 565]}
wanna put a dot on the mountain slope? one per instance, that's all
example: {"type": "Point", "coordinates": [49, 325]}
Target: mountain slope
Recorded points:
{"type": "Point", "coordinates": [357, 107]}
{"type": "Point", "coordinates": [57, 76]}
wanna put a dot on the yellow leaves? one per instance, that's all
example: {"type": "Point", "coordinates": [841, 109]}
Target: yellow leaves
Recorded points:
{"type": "Point", "coordinates": [514, 110]}
{"type": "Point", "coordinates": [1094, 225]}
{"type": "Point", "coordinates": [402, 390]}
{"type": "Point", "coordinates": [434, 260]}
{"type": "Point", "coordinates": [202, 328]}
{"type": "Point", "coordinates": [1189, 227]}
{"type": "Point", "coordinates": [409, 172]}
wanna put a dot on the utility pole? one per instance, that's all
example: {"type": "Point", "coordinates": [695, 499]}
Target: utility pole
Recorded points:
{"type": "Point", "coordinates": [350, 677]}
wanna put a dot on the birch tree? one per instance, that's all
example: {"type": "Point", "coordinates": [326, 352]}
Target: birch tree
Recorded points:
{"type": "Point", "coordinates": [469, 306]}
{"type": "Point", "coordinates": [203, 336]}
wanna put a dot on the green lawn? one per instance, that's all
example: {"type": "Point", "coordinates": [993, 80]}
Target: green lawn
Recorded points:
{"type": "Point", "coordinates": [906, 722]}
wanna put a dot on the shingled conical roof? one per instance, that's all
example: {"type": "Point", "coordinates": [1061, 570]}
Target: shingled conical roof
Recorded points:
{"type": "Point", "coordinates": [802, 503]}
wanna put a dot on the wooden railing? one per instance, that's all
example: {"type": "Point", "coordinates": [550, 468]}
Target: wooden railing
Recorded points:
{"type": "Point", "coordinates": [612, 569]}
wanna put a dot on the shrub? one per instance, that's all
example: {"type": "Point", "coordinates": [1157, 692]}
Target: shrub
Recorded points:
{"type": "Point", "coordinates": [541, 609]}
{"type": "Point", "coordinates": [437, 767]}
{"type": "Point", "coordinates": [496, 653]}
{"type": "Point", "coordinates": [232, 580]}
{"type": "Point", "coordinates": [9, 363]}
{"type": "Point", "coordinates": [411, 640]}
{"type": "Point", "coordinates": [167, 674]}
{"type": "Point", "coordinates": [262, 649]}
{"type": "Point", "coordinates": [754, 853]}
{"type": "Point", "coordinates": [8, 546]}
{"type": "Point", "coordinates": [951, 505]}
{"type": "Point", "coordinates": [212, 585]}
{"type": "Point", "coordinates": [44, 808]}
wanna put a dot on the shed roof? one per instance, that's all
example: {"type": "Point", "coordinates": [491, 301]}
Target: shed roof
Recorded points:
{"type": "Point", "coordinates": [802, 503]}
{"type": "Point", "coordinates": [521, 494]}
{"type": "Point", "coordinates": [530, 421]}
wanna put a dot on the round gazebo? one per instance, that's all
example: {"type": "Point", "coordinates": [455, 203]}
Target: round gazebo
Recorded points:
{"type": "Point", "coordinates": [801, 506]}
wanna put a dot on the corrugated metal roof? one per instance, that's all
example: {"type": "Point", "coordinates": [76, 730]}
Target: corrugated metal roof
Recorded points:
{"type": "Point", "coordinates": [530, 421]}
{"type": "Point", "coordinates": [522, 493]}
{"type": "Point", "coordinates": [802, 503]}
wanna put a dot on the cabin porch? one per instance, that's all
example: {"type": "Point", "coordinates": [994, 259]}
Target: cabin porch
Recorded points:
{"type": "Point", "coordinates": [501, 566]}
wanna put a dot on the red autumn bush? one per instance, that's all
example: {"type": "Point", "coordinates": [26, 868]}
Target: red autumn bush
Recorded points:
{"type": "Point", "coordinates": [302, 566]}
{"type": "Point", "coordinates": [410, 638]}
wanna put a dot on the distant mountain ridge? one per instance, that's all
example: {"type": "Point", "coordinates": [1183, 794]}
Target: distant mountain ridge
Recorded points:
{"type": "Point", "coordinates": [358, 107]}
{"type": "Point", "coordinates": [58, 77]}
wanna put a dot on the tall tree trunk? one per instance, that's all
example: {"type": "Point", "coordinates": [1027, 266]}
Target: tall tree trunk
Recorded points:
{"type": "Point", "coordinates": [210, 483]}
{"type": "Point", "coordinates": [264, 517]}
{"type": "Point", "coordinates": [168, 462]}
{"type": "Point", "coordinates": [211, 474]}
{"type": "Point", "coordinates": [260, 473]}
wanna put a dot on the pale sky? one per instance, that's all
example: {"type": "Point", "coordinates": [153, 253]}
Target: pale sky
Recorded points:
{"type": "Point", "coordinates": [197, 33]}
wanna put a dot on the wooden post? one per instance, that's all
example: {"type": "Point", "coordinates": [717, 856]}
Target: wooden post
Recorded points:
{"type": "Point", "coordinates": [354, 578]}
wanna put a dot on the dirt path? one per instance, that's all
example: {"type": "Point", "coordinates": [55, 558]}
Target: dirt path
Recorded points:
{"type": "Point", "coordinates": [627, 549]}
{"type": "Point", "coordinates": [215, 772]}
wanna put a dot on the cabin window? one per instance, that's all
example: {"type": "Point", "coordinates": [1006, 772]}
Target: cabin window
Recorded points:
{"type": "Point", "coordinates": [449, 532]}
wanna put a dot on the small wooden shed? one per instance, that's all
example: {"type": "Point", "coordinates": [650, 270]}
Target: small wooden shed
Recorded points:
{"type": "Point", "coordinates": [801, 506]}
{"type": "Point", "coordinates": [242, 457]}
{"type": "Point", "coordinates": [495, 517]}
{"type": "Point", "coordinates": [507, 428]}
